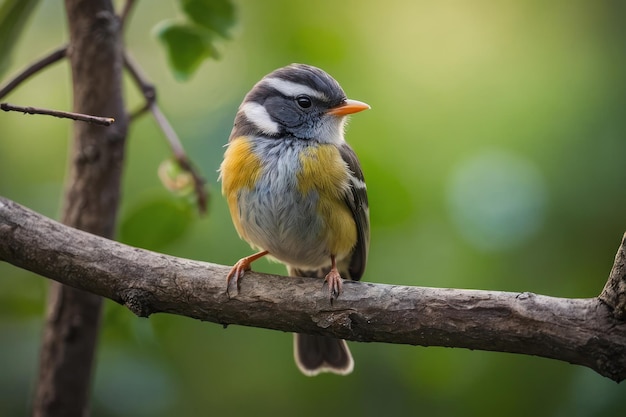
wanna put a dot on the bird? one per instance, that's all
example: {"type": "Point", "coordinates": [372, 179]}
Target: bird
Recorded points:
{"type": "Point", "coordinates": [296, 192]}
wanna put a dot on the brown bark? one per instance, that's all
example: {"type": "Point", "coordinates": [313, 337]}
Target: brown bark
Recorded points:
{"type": "Point", "coordinates": [579, 331]}
{"type": "Point", "coordinates": [90, 203]}
{"type": "Point", "coordinates": [614, 292]}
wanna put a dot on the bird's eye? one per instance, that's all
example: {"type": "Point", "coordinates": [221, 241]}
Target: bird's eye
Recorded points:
{"type": "Point", "coordinates": [304, 101]}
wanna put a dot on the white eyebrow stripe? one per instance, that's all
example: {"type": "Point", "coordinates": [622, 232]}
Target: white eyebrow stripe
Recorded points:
{"type": "Point", "coordinates": [257, 115]}
{"type": "Point", "coordinates": [291, 89]}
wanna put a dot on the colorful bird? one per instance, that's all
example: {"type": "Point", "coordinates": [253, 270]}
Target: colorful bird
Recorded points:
{"type": "Point", "coordinates": [296, 191]}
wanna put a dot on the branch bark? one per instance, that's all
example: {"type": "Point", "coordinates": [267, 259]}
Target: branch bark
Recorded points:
{"type": "Point", "coordinates": [90, 203]}
{"type": "Point", "coordinates": [614, 292]}
{"type": "Point", "coordinates": [32, 69]}
{"type": "Point", "coordinates": [149, 93]}
{"type": "Point", "coordinates": [104, 121]}
{"type": "Point", "coordinates": [579, 331]}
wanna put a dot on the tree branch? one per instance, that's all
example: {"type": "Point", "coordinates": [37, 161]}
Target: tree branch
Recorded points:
{"type": "Point", "coordinates": [579, 331]}
{"type": "Point", "coordinates": [32, 69]}
{"type": "Point", "coordinates": [92, 192]}
{"type": "Point", "coordinates": [614, 292]}
{"type": "Point", "coordinates": [125, 13]}
{"type": "Point", "coordinates": [149, 92]}
{"type": "Point", "coordinates": [104, 121]}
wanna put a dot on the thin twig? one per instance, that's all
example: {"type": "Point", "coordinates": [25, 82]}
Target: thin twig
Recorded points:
{"type": "Point", "coordinates": [139, 112]}
{"type": "Point", "coordinates": [149, 92]}
{"type": "Point", "coordinates": [124, 15]}
{"type": "Point", "coordinates": [168, 130]}
{"type": "Point", "coordinates": [105, 121]}
{"type": "Point", "coordinates": [33, 68]}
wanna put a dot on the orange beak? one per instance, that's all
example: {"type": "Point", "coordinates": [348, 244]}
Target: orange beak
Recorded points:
{"type": "Point", "coordinates": [348, 107]}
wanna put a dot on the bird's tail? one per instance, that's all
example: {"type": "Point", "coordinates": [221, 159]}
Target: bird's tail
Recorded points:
{"type": "Point", "coordinates": [315, 354]}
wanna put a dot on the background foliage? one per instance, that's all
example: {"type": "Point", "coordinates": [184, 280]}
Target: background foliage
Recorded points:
{"type": "Point", "coordinates": [493, 154]}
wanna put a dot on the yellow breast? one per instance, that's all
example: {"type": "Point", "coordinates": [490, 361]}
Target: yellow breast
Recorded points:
{"type": "Point", "coordinates": [324, 171]}
{"type": "Point", "coordinates": [321, 175]}
{"type": "Point", "coordinates": [241, 168]}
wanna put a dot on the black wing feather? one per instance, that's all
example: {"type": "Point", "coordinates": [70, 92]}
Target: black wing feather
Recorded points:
{"type": "Point", "coordinates": [356, 199]}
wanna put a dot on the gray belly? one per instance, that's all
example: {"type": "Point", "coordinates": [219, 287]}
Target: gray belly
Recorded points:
{"type": "Point", "coordinates": [285, 223]}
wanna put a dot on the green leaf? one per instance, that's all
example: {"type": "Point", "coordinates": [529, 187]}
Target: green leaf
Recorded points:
{"type": "Point", "coordinates": [215, 15]}
{"type": "Point", "coordinates": [156, 223]}
{"type": "Point", "coordinates": [186, 47]}
{"type": "Point", "coordinates": [13, 17]}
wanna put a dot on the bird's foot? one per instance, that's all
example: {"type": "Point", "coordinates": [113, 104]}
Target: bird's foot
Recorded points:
{"type": "Point", "coordinates": [335, 284]}
{"type": "Point", "coordinates": [240, 268]}
{"type": "Point", "coordinates": [237, 272]}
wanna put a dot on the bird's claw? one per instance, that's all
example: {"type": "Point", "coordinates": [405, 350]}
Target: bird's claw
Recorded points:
{"type": "Point", "coordinates": [335, 284]}
{"type": "Point", "coordinates": [240, 268]}
{"type": "Point", "coordinates": [236, 273]}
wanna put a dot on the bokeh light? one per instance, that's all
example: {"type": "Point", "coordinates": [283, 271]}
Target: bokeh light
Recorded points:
{"type": "Point", "coordinates": [497, 199]}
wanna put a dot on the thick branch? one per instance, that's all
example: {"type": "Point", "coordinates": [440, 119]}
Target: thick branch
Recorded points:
{"type": "Point", "coordinates": [614, 292]}
{"type": "Point", "coordinates": [92, 190]}
{"type": "Point", "coordinates": [579, 331]}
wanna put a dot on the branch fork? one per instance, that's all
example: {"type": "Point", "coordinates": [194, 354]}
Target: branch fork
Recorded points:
{"type": "Point", "coordinates": [148, 91]}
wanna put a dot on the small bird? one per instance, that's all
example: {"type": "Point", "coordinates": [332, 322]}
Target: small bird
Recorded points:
{"type": "Point", "coordinates": [296, 192]}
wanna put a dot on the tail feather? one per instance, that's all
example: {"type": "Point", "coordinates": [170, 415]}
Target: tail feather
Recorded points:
{"type": "Point", "coordinates": [317, 354]}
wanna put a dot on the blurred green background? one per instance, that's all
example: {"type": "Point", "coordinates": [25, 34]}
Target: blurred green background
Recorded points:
{"type": "Point", "coordinates": [494, 157]}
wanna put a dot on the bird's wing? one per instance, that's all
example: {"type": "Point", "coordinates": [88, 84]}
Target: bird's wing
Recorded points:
{"type": "Point", "coordinates": [356, 199]}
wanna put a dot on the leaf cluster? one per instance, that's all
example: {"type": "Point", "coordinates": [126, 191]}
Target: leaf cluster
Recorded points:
{"type": "Point", "coordinates": [190, 41]}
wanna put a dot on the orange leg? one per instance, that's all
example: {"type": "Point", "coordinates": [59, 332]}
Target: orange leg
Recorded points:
{"type": "Point", "coordinates": [334, 281]}
{"type": "Point", "coordinates": [240, 268]}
